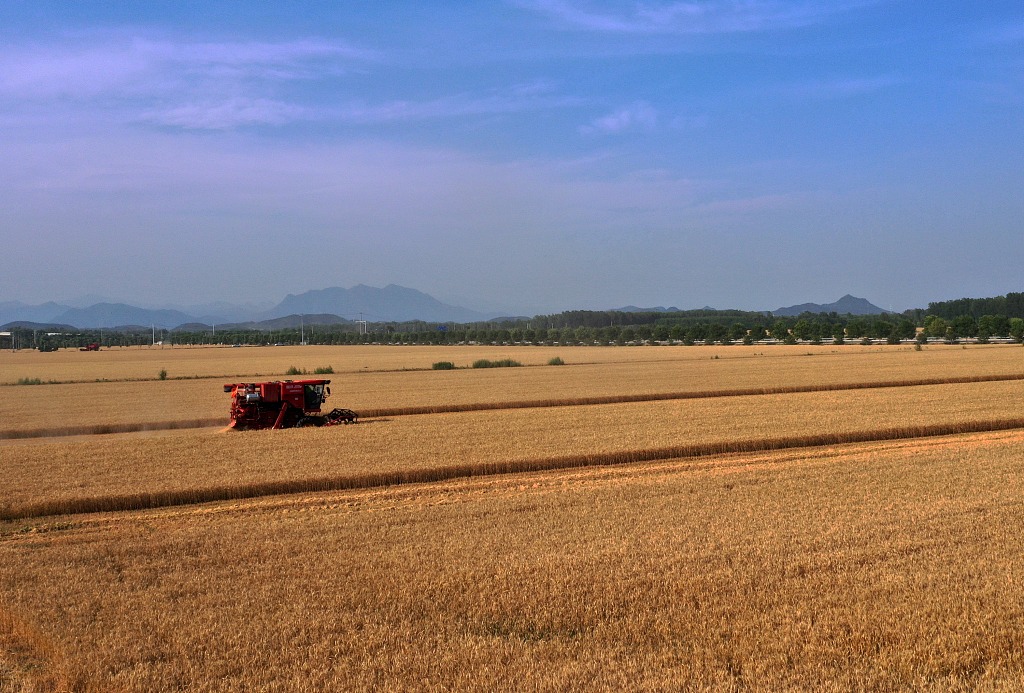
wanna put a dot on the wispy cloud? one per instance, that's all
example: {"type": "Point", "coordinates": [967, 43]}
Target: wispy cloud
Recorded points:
{"type": "Point", "coordinates": [227, 114]}
{"type": "Point", "coordinates": [639, 115]}
{"type": "Point", "coordinates": [689, 17]}
{"type": "Point", "coordinates": [224, 85]}
{"type": "Point", "coordinates": [515, 99]}
{"type": "Point", "coordinates": [843, 87]}
{"type": "Point", "coordinates": [186, 84]}
{"type": "Point", "coordinates": [133, 66]}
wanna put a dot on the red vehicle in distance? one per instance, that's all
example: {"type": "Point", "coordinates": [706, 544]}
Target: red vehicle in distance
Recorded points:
{"type": "Point", "coordinates": [283, 404]}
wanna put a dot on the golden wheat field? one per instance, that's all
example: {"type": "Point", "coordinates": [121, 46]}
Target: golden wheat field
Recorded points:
{"type": "Point", "coordinates": [375, 387]}
{"type": "Point", "coordinates": [703, 529]}
{"type": "Point", "coordinates": [879, 567]}
{"type": "Point", "coordinates": [145, 363]}
{"type": "Point", "coordinates": [62, 472]}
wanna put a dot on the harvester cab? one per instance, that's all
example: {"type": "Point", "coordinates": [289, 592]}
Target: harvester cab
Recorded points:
{"type": "Point", "coordinates": [283, 404]}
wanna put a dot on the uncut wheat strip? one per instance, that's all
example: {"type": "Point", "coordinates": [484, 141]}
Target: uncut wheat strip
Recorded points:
{"type": "Point", "coordinates": [143, 501]}
{"type": "Point", "coordinates": [451, 491]}
{"type": "Point", "coordinates": [638, 578]}
{"type": "Point", "coordinates": [697, 394]}
{"type": "Point", "coordinates": [48, 408]}
{"type": "Point", "coordinates": [211, 421]}
{"type": "Point", "coordinates": [177, 461]}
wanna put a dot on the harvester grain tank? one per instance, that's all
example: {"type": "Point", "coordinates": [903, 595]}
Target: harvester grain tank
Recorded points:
{"type": "Point", "coordinates": [283, 404]}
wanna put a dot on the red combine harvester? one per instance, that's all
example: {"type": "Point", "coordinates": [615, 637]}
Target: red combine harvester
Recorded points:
{"type": "Point", "coordinates": [90, 347]}
{"type": "Point", "coordinates": [283, 404]}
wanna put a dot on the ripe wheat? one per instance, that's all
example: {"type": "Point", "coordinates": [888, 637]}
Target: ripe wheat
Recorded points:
{"type": "Point", "coordinates": [870, 567]}
{"type": "Point", "coordinates": [63, 476]}
{"type": "Point", "coordinates": [84, 408]}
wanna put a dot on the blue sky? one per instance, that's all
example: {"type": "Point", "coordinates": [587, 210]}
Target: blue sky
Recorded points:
{"type": "Point", "coordinates": [522, 155]}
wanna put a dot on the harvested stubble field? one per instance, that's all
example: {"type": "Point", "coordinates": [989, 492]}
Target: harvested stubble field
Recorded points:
{"type": "Point", "coordinates": [90, 407]}
{"type": "Point", "coordinates": [884, 566]}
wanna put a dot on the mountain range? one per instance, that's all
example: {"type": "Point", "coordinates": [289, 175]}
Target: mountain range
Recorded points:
{"type": "Point", "coordinates": [392, 303]}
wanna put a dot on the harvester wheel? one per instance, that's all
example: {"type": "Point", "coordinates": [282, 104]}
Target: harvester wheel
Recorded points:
{"type": "Point", "coordinates": [307, 421]}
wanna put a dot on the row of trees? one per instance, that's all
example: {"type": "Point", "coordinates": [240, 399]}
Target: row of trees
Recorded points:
{"type": "Point", "coordinates": [1011, 306]}
{"type": "Point", "coordinates": [575, 327]}
{"type": "Point", "coordinates": [985, 327]}
{"type": "Point", "coordinates": [792, 332]}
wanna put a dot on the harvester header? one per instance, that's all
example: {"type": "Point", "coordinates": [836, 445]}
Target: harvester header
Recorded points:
{"type": "Point", "coordinates": [283, 404]}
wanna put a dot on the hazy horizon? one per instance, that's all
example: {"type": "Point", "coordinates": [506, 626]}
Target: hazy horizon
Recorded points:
{"type": "Point", "coordinates": [534, 155]}
{"type": "Point", "coordinates": [90, 300]}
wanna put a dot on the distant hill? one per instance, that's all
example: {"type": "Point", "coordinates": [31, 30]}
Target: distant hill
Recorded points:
{"type": "Point", "coordinates": [325, 306]}
{"type": "Point", "coordinates": [392, 303]}
{"type": "Point", "coordinates": [41, 326]}
{"type": "Point", "coordinates": [110, 315]}
{"type": "Point", "coordinates": [847, 305]}
{"type": "Point", "coordinates": [15, 311]}
{"type": "Point", "coordinates": [287, 322]}
{"type": "Point", "coordinates": [656, 309]}
{"type": "Point", "coordinates": [332, 305]}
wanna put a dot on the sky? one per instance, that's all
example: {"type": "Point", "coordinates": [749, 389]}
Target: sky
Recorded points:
{"type": "Point", "coordinates": [529, 156]}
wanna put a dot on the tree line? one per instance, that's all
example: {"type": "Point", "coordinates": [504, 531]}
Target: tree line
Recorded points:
{"type": "Point", "coordinates": [803, 329]}
{"type": "Point", "coordinates": [980, 319]}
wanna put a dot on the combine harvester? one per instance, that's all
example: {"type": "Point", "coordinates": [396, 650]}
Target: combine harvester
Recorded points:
{"type": "Point", "coordinates": [283, 404]}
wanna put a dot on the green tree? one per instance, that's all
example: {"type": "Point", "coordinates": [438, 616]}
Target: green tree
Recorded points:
{"type": "Point", "coordinates": [936, 327]}
{"type": "Point", "coordinates": [856, 328]}
{"type": "Point", "coordinates": [1016, 328]}
{"type": "Point", "coordinates": [780, 328]}
{"type": "Point", "coordinates": [994, 325]}
{"type": "Point", "coordinates": [965, 326]}
{"type": "Point", "coordinates": [806, 330]}
{"type": "Point", "coordinates": [905, 329]}
{"type": "Point", "coordinates": [715, 333]}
